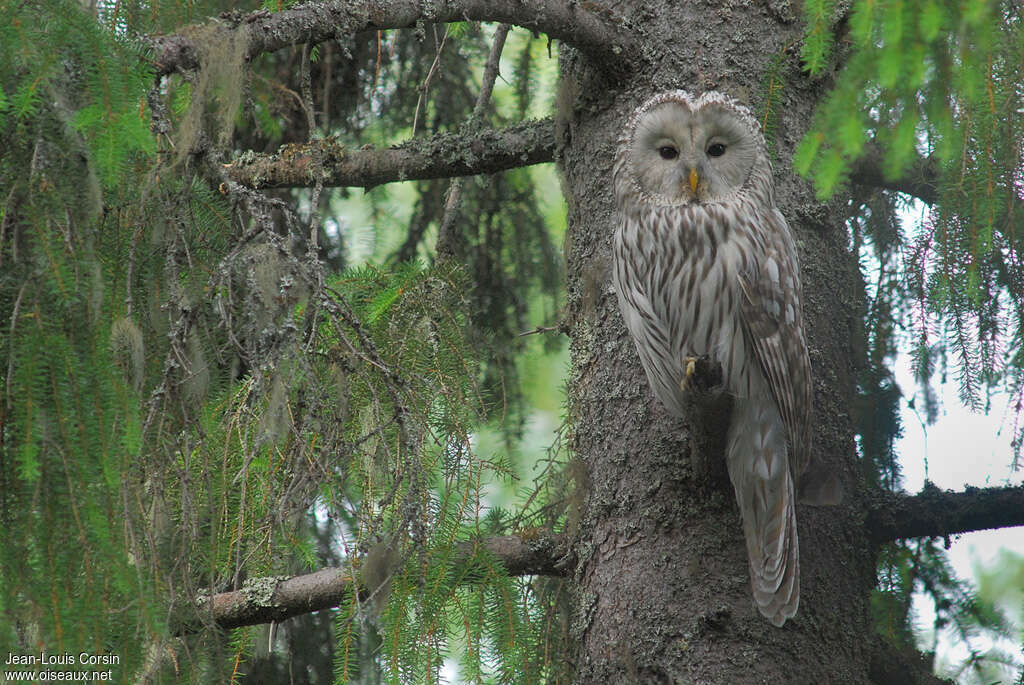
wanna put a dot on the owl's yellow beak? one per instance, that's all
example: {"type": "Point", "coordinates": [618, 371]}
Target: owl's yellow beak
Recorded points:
{"type": "Point", "coordinates": [694, 179]}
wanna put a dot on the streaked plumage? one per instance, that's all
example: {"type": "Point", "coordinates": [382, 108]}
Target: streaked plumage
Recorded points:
{"type": "Point", "coordinates": [705, 264]}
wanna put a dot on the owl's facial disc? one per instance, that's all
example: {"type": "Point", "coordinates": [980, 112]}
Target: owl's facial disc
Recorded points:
{"type": "Point", "coordinates": [682, 156]}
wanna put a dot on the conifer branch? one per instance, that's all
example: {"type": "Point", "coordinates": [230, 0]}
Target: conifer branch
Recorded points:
{"type": "Point", "coordinates": [892, 664]}
{"type": "Point", "coordinates": [601, 39]}
{"type": "Point", "coordinates": [934, 512]}
{"type": "Point", "coordinates": [441, 156]}
{"type": "Point", "coordinates": [274, 599]}
{"type": "Point", "coordinates": [920, 180]}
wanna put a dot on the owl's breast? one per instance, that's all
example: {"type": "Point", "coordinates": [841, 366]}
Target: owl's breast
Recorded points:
{"type": "Point", "coordinates": [677, 270]}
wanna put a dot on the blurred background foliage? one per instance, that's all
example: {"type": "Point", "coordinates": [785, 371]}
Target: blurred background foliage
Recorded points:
{"type": "Point", "coordinates": [196, 395]}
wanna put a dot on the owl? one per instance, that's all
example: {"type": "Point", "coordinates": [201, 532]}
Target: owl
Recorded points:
{"type": "Point", "coordinates": [705, 264]}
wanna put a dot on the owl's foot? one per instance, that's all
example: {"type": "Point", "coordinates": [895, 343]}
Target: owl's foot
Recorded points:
{"type": "Point", "coordinates": [701, 374]}
{"type": "Point", "coordinates": [691, 366]}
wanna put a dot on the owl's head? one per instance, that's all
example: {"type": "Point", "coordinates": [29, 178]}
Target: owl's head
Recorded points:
{"type": "Point", "coordinates": [679, 149]}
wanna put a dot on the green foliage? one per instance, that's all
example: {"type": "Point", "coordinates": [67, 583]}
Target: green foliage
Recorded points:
{"type": "Point", "coordinates": [931, 89]}
{"type": "Point", "coordinates": [959, 611]}
{"type": "Point", "coordinates": [818, 36]}
{"type": "Point", "coordinates": [508, 226]}
{"type": "Point", "coordinates": [934, 87]}
{"type": "Point", "coordinates": [46, 60]}
{"type": "Point", "coordinates": [192, 402]}
{"type": "Point", "coordinates": [71, 127]}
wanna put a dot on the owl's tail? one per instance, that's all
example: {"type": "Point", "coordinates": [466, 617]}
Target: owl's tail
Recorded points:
{"type": "Point", "coordinates": [759, 470]}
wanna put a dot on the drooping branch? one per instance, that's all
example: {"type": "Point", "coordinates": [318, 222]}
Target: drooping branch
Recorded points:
{"type": "Point", "coordinates": [596, 36]}
{"type": "Point", "coordinates": [934, 512]}
{"type": "Point", "coordinates": [440, 156]}
{"type": "Point", "coordinates": [263, 600]}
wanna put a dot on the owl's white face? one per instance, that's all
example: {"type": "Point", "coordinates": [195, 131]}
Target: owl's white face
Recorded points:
{"type": "Point", "coordinates": [684, 152]}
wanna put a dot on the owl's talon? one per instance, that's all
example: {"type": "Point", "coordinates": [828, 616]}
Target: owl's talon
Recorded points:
{"type": "Point", "coordinates": [691, 366]}
{"type": "Point", "coordinates": [701, 374]}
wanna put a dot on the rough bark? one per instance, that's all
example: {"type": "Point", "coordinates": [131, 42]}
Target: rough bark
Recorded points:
{"type": "Point", "coordinates": [663, 585]}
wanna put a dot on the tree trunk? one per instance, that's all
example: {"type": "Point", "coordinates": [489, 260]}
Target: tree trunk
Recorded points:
{"type": "Point", "coordinates": [664, 592]}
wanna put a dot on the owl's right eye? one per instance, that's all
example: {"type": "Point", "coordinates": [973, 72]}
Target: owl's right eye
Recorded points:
{"type": "Point", "coordinates": [668, 152]}
{"type": "Point", "coordinates": [716, 150]}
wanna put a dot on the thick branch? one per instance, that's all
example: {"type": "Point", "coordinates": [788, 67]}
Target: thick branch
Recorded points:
{"type": "Point", "coordinates": [934, 512]}
{"type": "Point", "coordinates": [920, 179]}
{"type": "Point", "coordinates": [263, 600]}
{"type": "Point", "coordinates": [440, 156]}
{"type": "Point", "coordinates": [566, 20]}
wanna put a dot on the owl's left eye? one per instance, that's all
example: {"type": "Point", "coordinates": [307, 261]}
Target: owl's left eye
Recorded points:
{"type": "Point", "coordinates": [716, 149]}
{"type": "Point", "coordinates": [668, 152]}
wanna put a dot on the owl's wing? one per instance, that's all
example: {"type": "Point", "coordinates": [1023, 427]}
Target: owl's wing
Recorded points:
{"type": "Point", "coordinates": [645, 324]}
{"type": "Point", "coordinates": [770, 311]}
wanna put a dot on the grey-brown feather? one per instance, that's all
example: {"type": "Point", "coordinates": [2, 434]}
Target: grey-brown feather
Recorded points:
{"type": "Point", "coordinates": [713, 271]}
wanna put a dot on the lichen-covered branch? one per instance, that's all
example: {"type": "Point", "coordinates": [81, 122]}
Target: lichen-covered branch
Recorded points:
{"type": "Point", "coordinates": [934, 512]}
{"type": "Point", "coordinates": [263, 600]}
{"type": "Point", "coordinates": [526, 555]}
{"type": "Point", "coordinates": [601, 39]}
{"type": "Point", "coordinates": [441, 156]}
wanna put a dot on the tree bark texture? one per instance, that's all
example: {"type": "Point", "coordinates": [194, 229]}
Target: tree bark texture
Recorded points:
{"type": "Point", "coordinates": [663, 587]}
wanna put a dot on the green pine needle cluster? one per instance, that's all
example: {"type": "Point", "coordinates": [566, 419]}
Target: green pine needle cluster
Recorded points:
{"type": "Point", "coordinates": [195, 403]}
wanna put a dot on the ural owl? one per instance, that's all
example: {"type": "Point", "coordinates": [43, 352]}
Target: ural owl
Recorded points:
{"type": "Point", "coordinates": [705, 264]}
